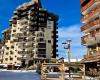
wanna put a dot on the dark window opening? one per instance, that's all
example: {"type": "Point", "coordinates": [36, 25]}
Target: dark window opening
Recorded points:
{"type": "Point", "coordinates": [11, 58]}
{"type": "Point", "coordinates": [85, 2]}
{"type": "Point", "coordinates": [49, 41]}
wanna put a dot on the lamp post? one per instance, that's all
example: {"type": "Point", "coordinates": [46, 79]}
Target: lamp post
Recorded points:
{"type": "Point", "coordinates": [67, 47]}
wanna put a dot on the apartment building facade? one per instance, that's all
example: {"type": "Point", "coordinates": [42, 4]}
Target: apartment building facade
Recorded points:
{"type": "Point", "coordinates": [90, 10]}
{"type": "Point", "coordinates": [32, 35]}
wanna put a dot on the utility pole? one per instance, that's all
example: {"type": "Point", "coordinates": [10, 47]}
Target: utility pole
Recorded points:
{"type": "Point", "coordinates": [67, 47]}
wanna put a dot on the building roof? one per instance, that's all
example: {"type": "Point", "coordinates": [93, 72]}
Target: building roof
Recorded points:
{"type": "Point", "coordinates": [38, 2]}
{"type": "Point", "coordinates": [73, 60]}
{"type": "Point", "coordinates": [5, 30]}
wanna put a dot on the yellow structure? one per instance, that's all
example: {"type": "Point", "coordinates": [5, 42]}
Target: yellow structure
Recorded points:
{"type": "Point", "coordinates": [60, 71]}
{"type": "Point", "coordinates": [56, 70]}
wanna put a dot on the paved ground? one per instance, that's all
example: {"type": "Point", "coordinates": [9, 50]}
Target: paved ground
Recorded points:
{"type": "Point", "coordinates": [19, 76]}
{"type": "Point", "coordinates": [92, 78]}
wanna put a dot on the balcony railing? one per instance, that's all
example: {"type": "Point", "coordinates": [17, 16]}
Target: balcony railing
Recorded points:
{"type": "Point", "coordinates": [82, 1]}
{"type": "Point", "coordinates": [24, 35]}
{"type": "Point", "coordinates": [91, 24]}
{"type": "Point", "coordinates": [91, 13]}
{"type": "Point", "coordinates": [89, 4]}
{"type": "Point", "coordinates": [83, 41]}
{"type": "Point", "coordinates": [91, 38]}
{"type": "Point", "coordinates": [94, 54]}
{"type": "Point", "coordinates": [14, 22]}
{"type": "Point", "coordinates": [41, 41]}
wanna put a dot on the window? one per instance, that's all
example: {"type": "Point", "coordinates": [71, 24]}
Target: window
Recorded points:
{"type": "Point", "coordinates": [14, 25]}
{"type": "Point", "coordinates": [97, 29]}
{"type": "Point", "coordinates": [7, 48]}
{"type": "Point", "coordinates": [41, 19]}
{"type": "Point", "coordinates": [11, 58]}
{"type": "Point", "coordinates": [6, 59]}
{"type": "Point", "coordinates": [11, 52]}
{"type": "Point", "coordinates": [14, 30]}
{"type": "Point", "coordinates": [41, 14]}
{"type": "Point", "coordinates": [10, 63]}
{"type": "Point", "coordinates": [41, 45]}
{"type": "Point", "coordinates": [40, 34]}
{"type": "Point", "coordinates": [49, 17]}
{"type": "Point", "coordinates": [24, 22]}
{"type": "Point", "coordinates": [40, 39]}
{"type": "Point", "coordinates": [19, 58]}
{"type": "Point", "coordinates": [49, 22]}
{"type": "Point", "coordinates": [12, 35]}
{"type": "Point", "coordinates": [49, 41]}
{"type": "Point", "coordinates": [12, 46]}
{"type": "Point", "coordinates": [49, 27]}
{"type": "Point", "coordinates": [85, 2]}
{"type": "Point", "coordinates": [42, 29]}
{"type": "Point", "coordinates": [7, 53]}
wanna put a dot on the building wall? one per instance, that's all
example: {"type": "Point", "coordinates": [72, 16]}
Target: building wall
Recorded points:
{"type": "Point", "coordinates": [31, 35]}
{"type": "Point", "coordinates": [91, 19]}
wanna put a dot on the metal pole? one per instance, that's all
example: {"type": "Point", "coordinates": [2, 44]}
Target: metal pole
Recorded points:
{"type": "Point", "coordinates": [68, 52]}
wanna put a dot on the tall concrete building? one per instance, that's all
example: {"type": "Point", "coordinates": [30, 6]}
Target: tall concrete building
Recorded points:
{"type": "Point", "coordinates": [90, 10]}
{"type": "Point", "coordinates": [32, 36]}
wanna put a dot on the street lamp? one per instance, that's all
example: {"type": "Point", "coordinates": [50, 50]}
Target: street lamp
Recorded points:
{"type": "Point", "coordinates": [67, 47]}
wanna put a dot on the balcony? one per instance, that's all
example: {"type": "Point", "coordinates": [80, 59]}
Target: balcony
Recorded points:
{"type": "Point", "coordinates": [33, 18]}
{"type": "Point", "coordinates": [40, 34]}
{"type": "Point", "coordinates": [41, 45]}
{"type": "Point", "coordinates": [89, 4]}
{"type": "Point", "coordinates": [42, 52]}
{"type": "Point", "coordinates": [82, 1]}
{"type": "Point", "coordinates": [88, 39]}
{"type": "Point", "coordinates": [41, 41]}
{"type": "Point", "coordinates": [14, 22]}
{"type": "Point", "coordinates": [29, 46]}
{"type": "Point", "coordinates": [91, 14]}
{"type": "Point", "coordinates": [91, 25]}
{"type": "Point", "coordinates": [41, 56]}
{"type": "Point", "coordinates": [97, 35]}
{"type": "Point", "coordinates": [56, 32]}
{"type": "Point", "coordinates": [31, 34]}
{"type": "Point", "coordinates": [33, 23]}
{"type": "Point", "coordinates": [42, 24]}
{"type": "Point", "coordinates": [91, 39]}
{"type": "Point", "coordinates": [25, 35]}
{"type": "Point", "coordinates": [92, 57]}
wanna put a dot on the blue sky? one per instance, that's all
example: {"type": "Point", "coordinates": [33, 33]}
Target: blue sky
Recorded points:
{"type": "Point", "coordinates": [69, 21]}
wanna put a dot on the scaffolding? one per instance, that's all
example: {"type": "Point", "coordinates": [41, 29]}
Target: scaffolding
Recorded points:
{"type": "Point", "coordinates": [60, 71]}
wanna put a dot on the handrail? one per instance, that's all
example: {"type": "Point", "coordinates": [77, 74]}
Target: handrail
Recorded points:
{"type": "Point", "coordinates": [91, 13]}
{"type": "Point", "coordinates": [89, 4]}
{"type": "Point", "coordinates": [91, 24]}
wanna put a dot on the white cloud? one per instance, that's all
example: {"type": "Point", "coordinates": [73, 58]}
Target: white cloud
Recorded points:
{"type": "Point", "coordinates": [72, 32]}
